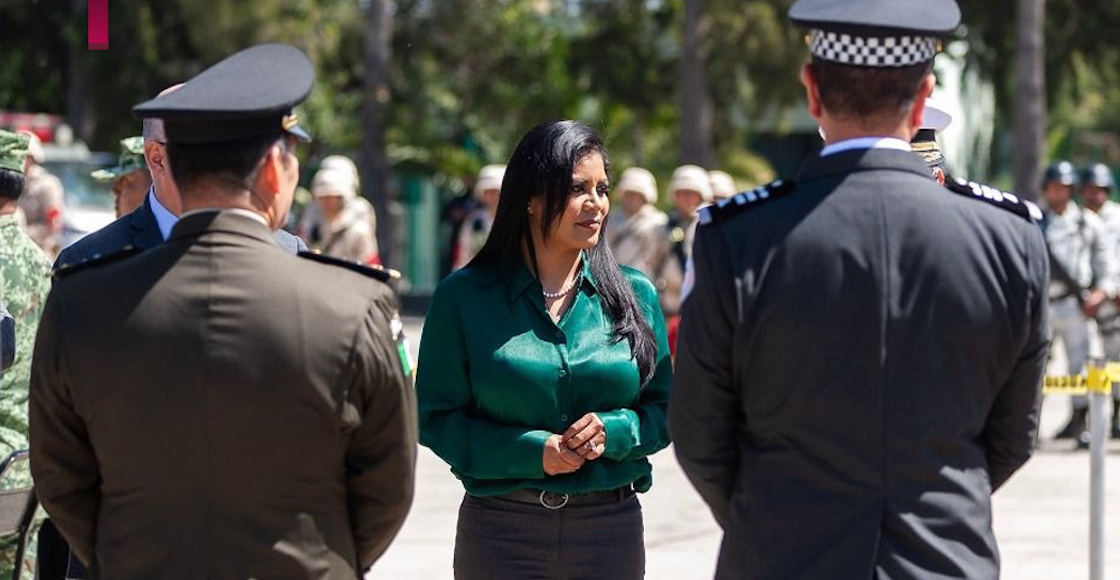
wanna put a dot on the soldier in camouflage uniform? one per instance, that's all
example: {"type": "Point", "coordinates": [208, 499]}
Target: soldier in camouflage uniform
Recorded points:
{"type": "Point", "coordinates": [24, 283]}
{"type": "Point", "coordinates": [129, 178]}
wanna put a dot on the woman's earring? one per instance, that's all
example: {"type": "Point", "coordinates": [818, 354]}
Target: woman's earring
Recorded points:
{"type": "Point", "coordinates": [529, 208]}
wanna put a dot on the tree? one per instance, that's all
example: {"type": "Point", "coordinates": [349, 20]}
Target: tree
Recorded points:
{"type": "Point", "coordinates": [696, 106]}
{"type": "Point", "coordinates": [374, 161]}
{"type": "Point", "coordinates": [1030, 97]}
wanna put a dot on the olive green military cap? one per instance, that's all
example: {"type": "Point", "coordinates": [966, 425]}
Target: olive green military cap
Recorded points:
{"type": "Point", "coordinates": [13, 151]}
{"type": "Point", "coordinates": [131, 159]}
{"type": "Point", "coordinates": [248, 94]}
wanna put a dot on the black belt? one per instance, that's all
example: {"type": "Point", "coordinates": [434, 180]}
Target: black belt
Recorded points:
{"type": "Point", "coordinates": [555, 501]}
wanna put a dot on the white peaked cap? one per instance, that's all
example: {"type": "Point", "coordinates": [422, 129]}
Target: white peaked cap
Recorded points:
{"type": "Point", "coordinates": [934, 116]}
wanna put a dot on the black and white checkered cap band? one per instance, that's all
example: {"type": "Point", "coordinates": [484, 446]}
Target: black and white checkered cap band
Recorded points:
{"type": "Point", "coordinates": [888, 51]}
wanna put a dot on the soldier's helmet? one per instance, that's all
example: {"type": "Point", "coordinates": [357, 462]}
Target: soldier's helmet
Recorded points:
{"type": "Point", "coordinates": [1098, 174]}
{"type": "Point", "coordinates": [1061, 172]}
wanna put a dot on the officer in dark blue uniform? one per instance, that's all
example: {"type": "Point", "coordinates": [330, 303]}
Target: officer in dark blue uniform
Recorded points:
{"type": "Point", "coordinates": [861, 350]}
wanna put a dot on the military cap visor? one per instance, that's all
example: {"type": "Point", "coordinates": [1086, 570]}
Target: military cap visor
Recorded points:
{"type": "Point", "coordinates": [248, 94]}
{"type": "Point", "coordinates": [131, 159]}
{"type": "Point", "coordinates": [13, 150]}
{"type": "Point", "coordinates": [878, 18]}
{"type": "Point", "coordinates": [876, 33]}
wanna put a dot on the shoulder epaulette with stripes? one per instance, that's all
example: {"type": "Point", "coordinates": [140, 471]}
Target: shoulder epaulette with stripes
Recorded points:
{"type": "Point", "coordinates": [747, 199]}
{"type": "Point", "coordinates": [1008, 201]}
{"type": "Point", "coordinates": [376, 272]}
{"type": "Point", "coordinates": [95, 260]}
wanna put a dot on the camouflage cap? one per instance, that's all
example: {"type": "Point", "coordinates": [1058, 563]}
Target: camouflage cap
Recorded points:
{"type": "Point", "coordinates": [131, 159]}
{"type": "Point", "coordinates": [13, 151]}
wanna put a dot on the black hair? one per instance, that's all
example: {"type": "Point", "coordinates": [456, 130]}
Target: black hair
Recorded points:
{"type": "Point", "coordinates": [542, 166]}
{"type": "Point", "coordinates": [864, 91]}
{"type": "Point", "coordinates": [231, 161]}
{"type": "Point", "coordinates": [11, 184]}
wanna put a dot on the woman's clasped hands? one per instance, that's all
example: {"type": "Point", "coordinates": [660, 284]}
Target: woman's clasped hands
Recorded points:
{"type": "Point", "coordinates": [585, 440]}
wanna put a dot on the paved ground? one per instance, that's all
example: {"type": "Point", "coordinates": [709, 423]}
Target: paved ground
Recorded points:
{"type": "Point", "coordinates": [1041, 518]}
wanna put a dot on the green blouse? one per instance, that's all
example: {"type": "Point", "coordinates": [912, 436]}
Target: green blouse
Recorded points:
{"type": "Point", "coordinates": [497, 377]}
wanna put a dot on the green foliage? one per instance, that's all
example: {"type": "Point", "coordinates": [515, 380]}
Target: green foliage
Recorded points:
{"type": "Point", "coordinates": [469, 77]}
{"type": "Point", "coordinates": [1082, 62]}
{"type": "Point", "coordinates": [30, 52]}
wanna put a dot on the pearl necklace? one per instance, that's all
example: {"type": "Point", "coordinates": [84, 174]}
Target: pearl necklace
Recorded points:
{"type": "Point", "coordinates": [561, 292]}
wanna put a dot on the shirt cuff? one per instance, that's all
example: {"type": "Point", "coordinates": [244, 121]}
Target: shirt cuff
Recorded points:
{"type": "Point", "coordinates": [622, 429]}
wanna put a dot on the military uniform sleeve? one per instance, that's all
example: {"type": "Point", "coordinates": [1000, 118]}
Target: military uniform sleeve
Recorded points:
{"type": "Point", "coordinates": [703, 409]}
{"type": "Point", "coordinates": [642, 430]}
{"type": "Point", "coordinates": [381, 457]}
{"type": "Point", "coordinates": [1012, 423]}
{"type": "Point", "coordinates": [471, 445]}
{"type": "Point", "coordinates": [63, 463]}
{"type": "Point", "coordinates": [1102, 254]}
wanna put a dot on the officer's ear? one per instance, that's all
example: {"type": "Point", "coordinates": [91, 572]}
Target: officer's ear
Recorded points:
{"type": "Point", "coordinates": [156, 157]}
{"type": "Point", "coordinates": [919, 108]}
{"type": "Point", "coordinates": [270, 177]}
{"type": "Point", "coordinates": [812, 90]}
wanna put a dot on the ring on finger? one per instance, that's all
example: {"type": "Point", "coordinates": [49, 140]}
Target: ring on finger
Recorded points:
{"type": "Point", "coordinates": [590, 445]}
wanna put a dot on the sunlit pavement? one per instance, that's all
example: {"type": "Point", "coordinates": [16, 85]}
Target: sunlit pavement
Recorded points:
{"type": "Point", "coordinates": [1041, 516]}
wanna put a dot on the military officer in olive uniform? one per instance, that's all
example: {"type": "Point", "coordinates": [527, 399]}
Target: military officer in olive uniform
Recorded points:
{"type": "Point", "coordinates": [264, 424]}
{"type": "Point", "coordinates": [861, 351]}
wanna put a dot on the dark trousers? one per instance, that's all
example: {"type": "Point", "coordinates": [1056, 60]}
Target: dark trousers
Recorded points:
{"type": "Point", "coordinates": [499, 539]}
{"type": "Point", "coordinates": [56, 561]}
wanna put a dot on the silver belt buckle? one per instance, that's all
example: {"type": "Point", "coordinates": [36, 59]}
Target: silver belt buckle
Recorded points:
{"type": "Point", "coordinates": [563, 497]}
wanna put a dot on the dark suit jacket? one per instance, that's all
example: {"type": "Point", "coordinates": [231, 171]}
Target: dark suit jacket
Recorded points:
{"type": "Point", "coordinates": [188, 403]}
{"type": "Point", "coordinates": [140, 230]}
{"type": "Point", "coordinates": [858, 368]}
{"type": "Point", "coordinates": [7, 339]}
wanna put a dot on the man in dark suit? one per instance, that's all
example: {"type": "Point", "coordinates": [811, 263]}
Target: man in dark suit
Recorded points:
{"type": "Point", "coordinates": [151, 223]}
{"type": "Point", "coordinates": [264, 424]}
{"type": "Point", "coordinates": [861, 351]}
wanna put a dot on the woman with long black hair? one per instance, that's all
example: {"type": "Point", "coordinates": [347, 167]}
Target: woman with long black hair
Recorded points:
{"type": "Point", "coordinates": [544, 377]}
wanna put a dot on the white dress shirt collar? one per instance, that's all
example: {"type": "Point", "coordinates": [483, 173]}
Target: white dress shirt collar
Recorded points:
{"type": "Point", "coordinates": [164, 218]}
{"type": "Point", "coordinates": [865, 143]}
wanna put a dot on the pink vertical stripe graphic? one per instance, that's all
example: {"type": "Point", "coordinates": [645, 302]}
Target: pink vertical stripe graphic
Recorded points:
{"type": "Point", "coordinates": [98, 24]}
